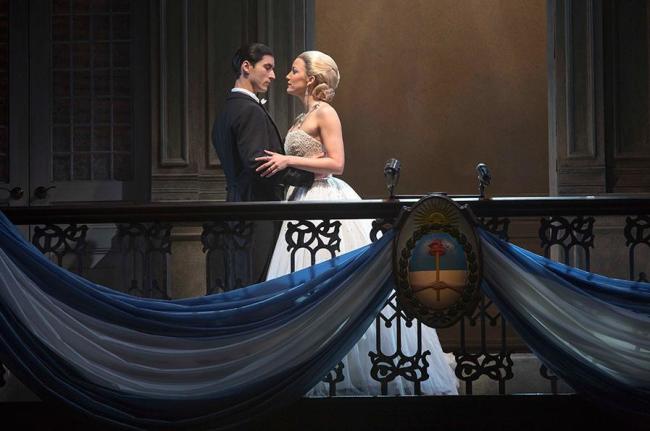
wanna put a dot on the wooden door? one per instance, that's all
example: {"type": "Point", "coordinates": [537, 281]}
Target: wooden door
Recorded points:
{"type": "Point", "coordinates": [88, 101]}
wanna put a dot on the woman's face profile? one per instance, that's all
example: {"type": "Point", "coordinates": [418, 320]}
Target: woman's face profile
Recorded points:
{"type": "Point", "coordinates": [297, 79]}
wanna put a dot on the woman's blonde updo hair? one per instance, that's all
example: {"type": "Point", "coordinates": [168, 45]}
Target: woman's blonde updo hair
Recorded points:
{"type": "Point", "coordinates": [325, 71]}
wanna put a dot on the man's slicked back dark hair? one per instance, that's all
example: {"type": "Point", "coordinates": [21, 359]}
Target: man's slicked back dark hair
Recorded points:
{"type": "Point", "coordinates": [252, 52]}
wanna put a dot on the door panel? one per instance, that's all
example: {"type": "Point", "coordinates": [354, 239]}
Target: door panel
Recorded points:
{"type": "Point", "coordinates": [82, 102]}
{"type": "Point", "coordinates": [14, 125]}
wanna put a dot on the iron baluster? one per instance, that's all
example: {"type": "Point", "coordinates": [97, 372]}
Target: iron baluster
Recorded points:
{"type": "Point", "coordinates": [548, 374]}
{"type": "Point", "coordinates": [334, 376]}
{"type": "Point", "coordinates": [497, 225]}
{"type": "Point", "coordinates": [387, 366]}
{"type": "Point", "coordinates": [228, 258]}
{"type": "Point", "coordinates": [141, 244]}
{"type": "Point", "coordinates": [579, 232]}
{"type": "Point", "coordinates": [380, 226]}
{"type": "Point", "coordinates": [311, 237]}
{"type": "Point", "coordinates": [62, 242]}
{"type": "Point", "coordinates": [637, 231]}
{"type": "Point", "coordinates": [472, 365]}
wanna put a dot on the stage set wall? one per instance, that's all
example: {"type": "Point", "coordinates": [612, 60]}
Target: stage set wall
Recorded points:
{"type": "Point", "coordinates": [552, 95]}
{"type": "Point", "coordinates": [441, 86]}
{"type": "Point", "coordinates": [541, 91]}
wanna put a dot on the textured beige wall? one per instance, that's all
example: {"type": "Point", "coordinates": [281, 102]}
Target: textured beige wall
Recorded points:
{"type": "Point", "coordinates": [440, 85]}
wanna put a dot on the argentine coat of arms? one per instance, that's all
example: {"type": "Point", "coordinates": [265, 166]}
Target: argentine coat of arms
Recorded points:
{"type": "Point", "coordinates": [437, 262]}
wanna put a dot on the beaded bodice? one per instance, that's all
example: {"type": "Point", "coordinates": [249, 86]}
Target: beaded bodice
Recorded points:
{"type": "Point", "coordinates": [300, 143]}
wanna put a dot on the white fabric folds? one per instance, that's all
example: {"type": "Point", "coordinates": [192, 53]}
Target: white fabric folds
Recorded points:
{"type": "Point", "coordinates": [149, 363]}
{"type": "Point", "coordinates": [591, 330]}
{"type": "Point", "coordinates": [213, 360]}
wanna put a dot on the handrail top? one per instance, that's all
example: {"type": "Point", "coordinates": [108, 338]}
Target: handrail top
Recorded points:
{"type": "Point", "coordinates": [203, 211]}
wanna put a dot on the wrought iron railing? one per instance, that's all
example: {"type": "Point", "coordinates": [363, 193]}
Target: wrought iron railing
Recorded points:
{"type": "Point", "coordinates": [483, 344]}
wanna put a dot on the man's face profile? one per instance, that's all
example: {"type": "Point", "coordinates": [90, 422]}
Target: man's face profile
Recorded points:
{"type": "Point", "coordinates": [261, 74]}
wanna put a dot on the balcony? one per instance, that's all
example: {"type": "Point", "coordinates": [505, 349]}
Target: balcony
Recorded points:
{"type": "Point", "coordinates": [172, 251]}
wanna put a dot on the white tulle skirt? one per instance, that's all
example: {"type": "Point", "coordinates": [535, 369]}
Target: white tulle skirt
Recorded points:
{"type": "Point", "coordinates": [356, 364]}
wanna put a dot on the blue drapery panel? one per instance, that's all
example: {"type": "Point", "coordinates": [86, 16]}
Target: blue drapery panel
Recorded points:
{"type": "Point", "coordinates": [591, 330]}
{"type": "Point", "coordinates": [152, 363]}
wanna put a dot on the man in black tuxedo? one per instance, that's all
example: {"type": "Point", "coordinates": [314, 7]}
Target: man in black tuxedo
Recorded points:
{"type": "Point", "coordinates": [242, 132]}
{"type": "Point", "coordinates": [245, 129]}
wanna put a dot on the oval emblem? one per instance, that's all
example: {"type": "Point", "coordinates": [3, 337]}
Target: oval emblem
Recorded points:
{"type": "Point", "coordinates": [437, 262]}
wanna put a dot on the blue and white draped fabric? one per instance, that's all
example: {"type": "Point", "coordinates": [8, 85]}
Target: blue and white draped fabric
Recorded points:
{"type": "Point", "coordinates": [145, 363]}
{"type": "Point", "coordinates": [591, 330]}
{"type": "Point", "coordinates": [159, 364]}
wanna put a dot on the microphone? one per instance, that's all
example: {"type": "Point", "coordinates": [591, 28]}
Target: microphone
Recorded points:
{"type": "Point", "coordinates": [484, 178]}
{"type": "Point", "coordinates": [483, 173]}
{"type": "Point", "coordinates": [391, 175]}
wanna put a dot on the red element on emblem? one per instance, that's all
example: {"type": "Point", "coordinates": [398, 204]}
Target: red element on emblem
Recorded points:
{"type": "Point", "coordinates": [437, 248]}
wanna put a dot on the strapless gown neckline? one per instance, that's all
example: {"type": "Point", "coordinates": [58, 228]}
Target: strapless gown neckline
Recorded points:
{"type": "Point", "coordinates": [304, 133]}
{"type": "Point", "coordinates": [300, 143]}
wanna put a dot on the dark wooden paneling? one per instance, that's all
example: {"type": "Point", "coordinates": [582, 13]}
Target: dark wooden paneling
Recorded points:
{"type": "Point", "coordinates": [576, 139]}
{"type": "Point", "coordinates": [598, 91]}
{"type": "Point", "coordinates": [579, 46]}
{"type": "Point", "coordinates": [626, 25]}
{"type": "Point", "coordinates": [221, 45]}
{"type": "Point", "coordinates": [18, 115]}
{"type": "Point", "coordinates": [191, 61]}
{"type": "Point", "coordinates": [174, 145]}
{"type": "Point", "coordinates": [631, 79]}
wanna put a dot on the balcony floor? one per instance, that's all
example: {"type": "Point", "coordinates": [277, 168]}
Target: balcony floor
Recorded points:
{"type": "Point", "coordinates": [526, 407]}
{"type": "Point", "coordinates": [485, 412]}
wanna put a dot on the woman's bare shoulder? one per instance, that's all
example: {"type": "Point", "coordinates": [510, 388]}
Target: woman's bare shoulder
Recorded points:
{"type": "Point", "coordinates": [326, 111]}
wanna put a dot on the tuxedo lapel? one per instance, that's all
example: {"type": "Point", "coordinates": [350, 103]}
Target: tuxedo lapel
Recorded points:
{"type": "Point", "coordinates": [277, 131]}
{"type": "Point", "coordinates": [266, 112]}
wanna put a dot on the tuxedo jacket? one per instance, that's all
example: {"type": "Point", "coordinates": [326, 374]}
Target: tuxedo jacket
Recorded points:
{"type": "Point", "coordinates": [242, 132]}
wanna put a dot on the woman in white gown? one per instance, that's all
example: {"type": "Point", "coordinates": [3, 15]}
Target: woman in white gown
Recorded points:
{"type": "Point", "coordinates": [315, 143]}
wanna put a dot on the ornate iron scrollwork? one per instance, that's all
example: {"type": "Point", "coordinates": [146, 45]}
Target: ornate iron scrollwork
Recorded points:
{"type": "Point", "coordinates": [228, 258]}
{"type": "Point", "coordinates": [548, 375]}
{"type": "Point", "coordinates": [497, 225]}
{"type": "Point", "coordinates": [559, 231]}
{"type": "Point", "coordinates": [496, 366]}
{"type": "Point", "coordinates": [333, 377]}
{"type": "Point", "coordinates": [396, 312]}
{"type": "Point", "coordinates": [387, 367]}
{"type": "Point", "coordinates": [145, 248]}
{"type": "Point", "coordinates": [312, 237]}
{"type": "Point", "coordinates": [637, 231]}
{"type": "Point", "coordinates": [567, 234]}
{"type": "Point", "coordinates": [472, 363]}
{"type": "Point", "coordinates": [483, 311]}
{"type": "Point", "coordinates": [62, 242]}
{"type": "Point", "coordinates": [380, 226]}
